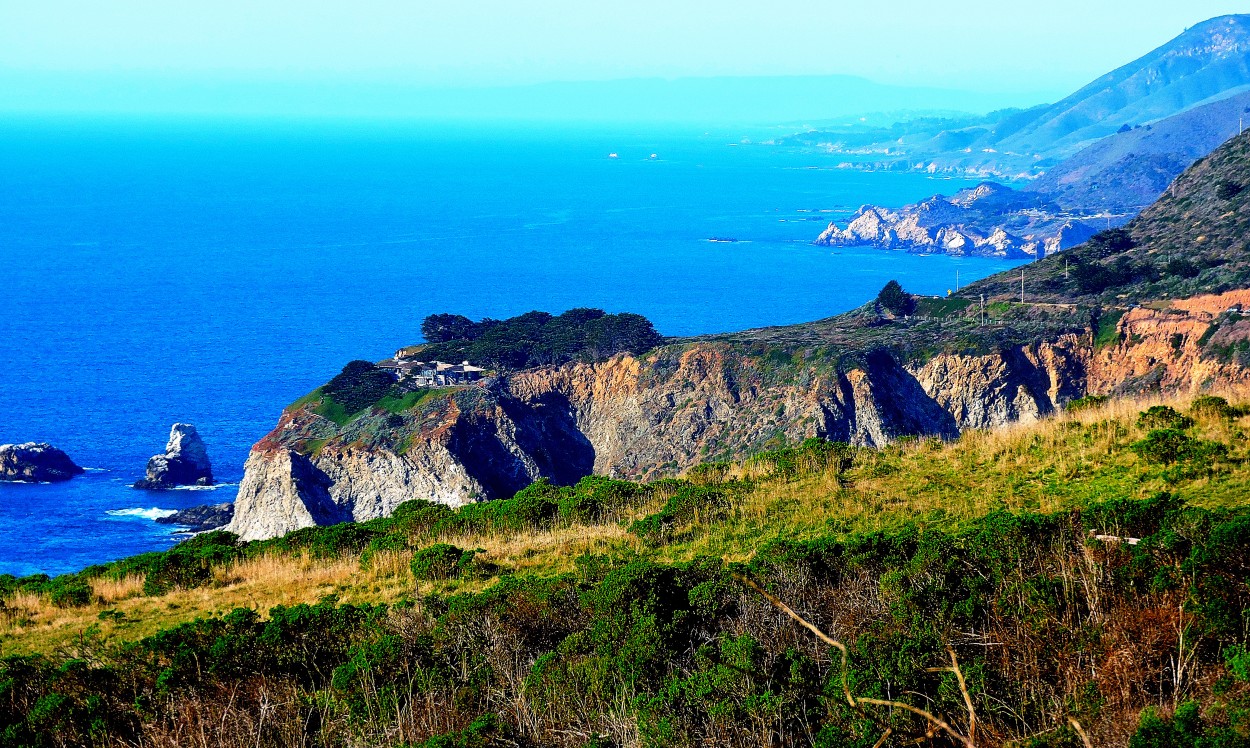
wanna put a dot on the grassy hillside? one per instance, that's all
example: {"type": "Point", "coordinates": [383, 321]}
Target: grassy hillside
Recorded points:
{"type": "Point", "coordinates": [613, 613]}
{"type": "Point", "coordinates": [1193, 240]}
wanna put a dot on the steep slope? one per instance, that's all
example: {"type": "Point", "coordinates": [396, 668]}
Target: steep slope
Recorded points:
{"type": "Point", "coordinates": [1129, 170]}
{"type": "Point", "coordinates": [1207, 61]}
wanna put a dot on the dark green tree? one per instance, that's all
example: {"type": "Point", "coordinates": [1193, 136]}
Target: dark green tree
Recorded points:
{"type": "Point", "coordinates": [895, 300]}
{"type": "Point", "coordinates": [440, 328]}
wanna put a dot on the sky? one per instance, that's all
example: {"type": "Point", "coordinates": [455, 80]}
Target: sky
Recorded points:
{"type": "Point", "coordinates": [53, 52]}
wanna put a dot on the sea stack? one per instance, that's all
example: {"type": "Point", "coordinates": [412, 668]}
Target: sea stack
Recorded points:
{"type": "Point", "coordinates": [184, 463]}
{"type": "Point", "coordinates": [35, 463]}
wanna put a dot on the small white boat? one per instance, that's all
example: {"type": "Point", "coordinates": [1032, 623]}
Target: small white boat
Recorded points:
{"type": "Point", "coordinates": [613, 155]}
{"type": "Point", "coordinates": [654, 156]}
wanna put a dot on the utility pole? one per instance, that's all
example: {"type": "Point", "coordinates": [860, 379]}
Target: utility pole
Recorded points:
{"type": "Point", "coordinates": [1021, 285]}
{"type": "Point", "coordinates": [983, 310]}
{"type": "Point", "coordinates": [957, 279]}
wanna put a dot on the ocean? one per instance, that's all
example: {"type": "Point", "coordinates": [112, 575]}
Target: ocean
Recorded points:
{"type": "Point", "coordinates": [212, 272]}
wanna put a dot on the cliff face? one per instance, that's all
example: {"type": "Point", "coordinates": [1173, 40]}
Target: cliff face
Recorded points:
{"type": "Point", "coordinates": [645, 417]}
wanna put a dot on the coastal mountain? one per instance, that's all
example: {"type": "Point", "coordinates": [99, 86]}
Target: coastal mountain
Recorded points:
{"type": "Point", "coordinates": [1100, 187]}
{"type": "Point", "coordinates": [1127, 171]}
{"type": "Point", "coordinates": [867, 377]}
{"type": "Point", "coordinates": [1141, 126]}
{"type": "Point", "coordinates": [1207, 63]}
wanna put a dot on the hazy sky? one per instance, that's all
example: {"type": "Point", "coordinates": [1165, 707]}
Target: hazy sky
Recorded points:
{"type": "Point", "coordinates": [1050, 47]}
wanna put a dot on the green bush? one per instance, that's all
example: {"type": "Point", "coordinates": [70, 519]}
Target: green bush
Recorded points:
{"type": "Point", "coordinates": [1215, 407]}
{"type": "Point", "coordinates": [418, 516]}
{"type": "Point", "coordinates": [1169, 446]}
{"type": "Point", "coordinates": [440, 561]}
{"type": "Point", "coordinates": [688, 504]}
{"type": "Point", "coordinates": [70, 593]}
{"type": "Point", "coordinates": [1089, 402]}
{"type": "Point", "coordinates": [1163, 417]}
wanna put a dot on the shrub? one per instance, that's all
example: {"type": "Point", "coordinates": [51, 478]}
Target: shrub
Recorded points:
{"type": "Point", "coordinates": [325, 541]}
{"type": "Point", "coordinates": [1227, 190]}
{"type": "Point", "coordinates": [1237, 660]}
{"type": "Point", "coordinates": [1169, 446]}
{"type": "Point", "coordinates": [441, 561]}
{"type": "Point", "coordinates": [70, 593]}
{"type": "Point", "coordinates": [1182, 267]}
{"type": "Point", "coordinates": [1214, 407]}
{"type": "Point", "coordinates": [1163, 417]}
{"type": "Point", "coordinates": [1089, 402]}
{"type": "Point", "coordinates": [418, 516]}
{"type": "Point", "coordinates": [689, 503]}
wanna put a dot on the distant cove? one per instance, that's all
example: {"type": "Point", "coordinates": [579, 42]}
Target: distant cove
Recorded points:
{"type": "Point", "coordinates": [213, 272]}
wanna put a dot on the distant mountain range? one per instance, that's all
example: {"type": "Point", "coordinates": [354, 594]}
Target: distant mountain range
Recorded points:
{"type": "Point", "coordinates": [1102, 154]}
{"type": "Point", "coordinates": [1207, 63]}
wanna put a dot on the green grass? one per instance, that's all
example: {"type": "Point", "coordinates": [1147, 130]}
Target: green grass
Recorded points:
{"type": "Point", "coordinates": [928, 307]}
{"type": "Point", "coordinates": [1108, 329]}
{"type": "Point", "coordinates": [409, 400]}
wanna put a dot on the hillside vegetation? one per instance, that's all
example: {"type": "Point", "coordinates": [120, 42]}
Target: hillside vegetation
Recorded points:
{"type": "Point", "coordinates": [1086, 574]}
{"type": "Point", "coordinates": [535, 338]}
{"type": "Point", "coordinates": [1193, 240]}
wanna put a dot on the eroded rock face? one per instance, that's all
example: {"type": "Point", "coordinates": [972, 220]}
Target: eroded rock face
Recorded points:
{"type": "Point", "coordinates": [35, 463]}
{"type": "Point", "coordinates": [184, 463]}
{"type": "Point", "coordinates": [647, 417]}
{"type": "Point", "coordinates": [629, 417]}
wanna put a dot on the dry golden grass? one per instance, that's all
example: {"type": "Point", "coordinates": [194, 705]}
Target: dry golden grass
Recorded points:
{"type": "Point", "coordinates": [111, 591]}
{"type": "Point", "coordinates": [1057, 463]}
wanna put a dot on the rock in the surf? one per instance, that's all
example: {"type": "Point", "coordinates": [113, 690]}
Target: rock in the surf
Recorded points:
{"type": "Point", "coordinates": [35, 463]}
{"type": "Point", "coordinates": [184, 463]}
{"type": "Point", "coordinates": [201, 518]}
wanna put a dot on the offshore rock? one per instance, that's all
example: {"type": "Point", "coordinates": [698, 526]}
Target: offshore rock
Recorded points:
{"type": "Point", "coordinates": [35, 463]}
{"type": "Point", "coordinates": [201, 518]}
{"type": "Point", "coordinates": [184, 463]}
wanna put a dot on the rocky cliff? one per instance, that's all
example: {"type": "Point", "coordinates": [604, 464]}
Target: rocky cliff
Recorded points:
{"type": "Point", "coordinates": [1132, 310]}
{"type": "Point", "coordinates": [654, 415]}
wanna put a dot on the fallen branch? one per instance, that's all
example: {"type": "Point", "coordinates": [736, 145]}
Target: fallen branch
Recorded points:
{"type": "Point", "coordinates": [857, 702]}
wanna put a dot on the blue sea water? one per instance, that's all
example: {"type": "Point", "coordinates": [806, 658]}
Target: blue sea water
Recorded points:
{"type": "Point", "coordinates": [153, 272]}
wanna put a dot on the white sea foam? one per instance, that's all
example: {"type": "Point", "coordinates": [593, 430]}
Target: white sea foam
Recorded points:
{"type": "Point", "coordinates": [153, 514]}
{"type": "Point", "coordinates": [213, 487]}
